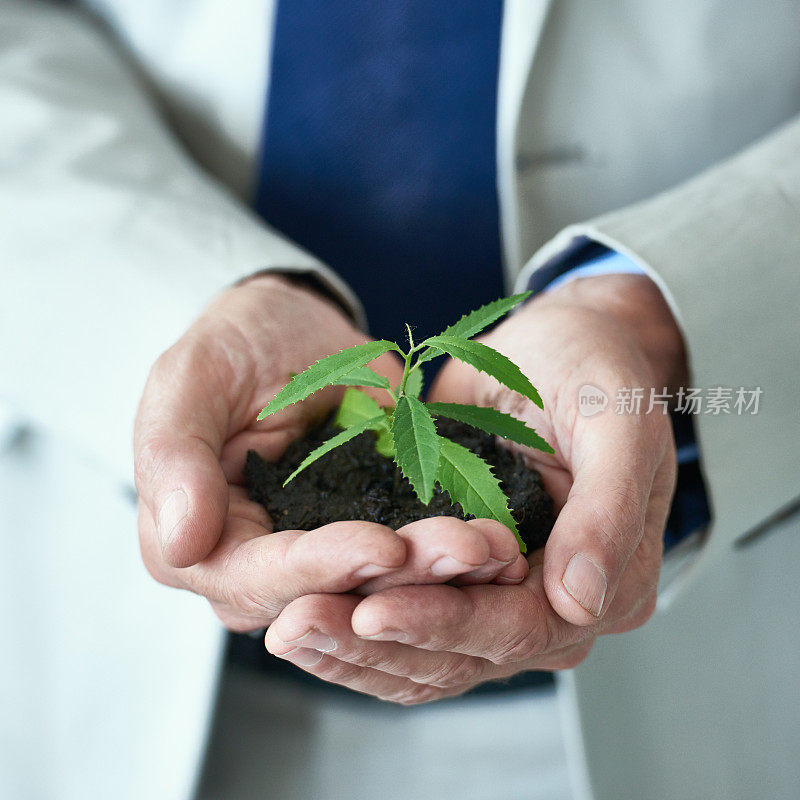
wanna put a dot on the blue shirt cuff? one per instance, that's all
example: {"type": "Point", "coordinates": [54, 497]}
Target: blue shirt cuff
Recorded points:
{"type": "Point", "coordinates": [609, 262]}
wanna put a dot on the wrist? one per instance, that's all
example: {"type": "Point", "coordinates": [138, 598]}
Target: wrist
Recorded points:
{"type": "Point", "coordinates": [280, 326]}
{"type": "Point", "coordinates": [306, 282]}
{"type": "Point", "coordinates": [634, 304]}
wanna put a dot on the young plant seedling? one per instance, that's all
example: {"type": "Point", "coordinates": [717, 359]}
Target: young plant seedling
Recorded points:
{"type": "Point", "coordinates": [407, 433]}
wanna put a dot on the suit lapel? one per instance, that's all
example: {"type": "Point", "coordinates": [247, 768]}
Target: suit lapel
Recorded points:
{"type": "Point", "coordinates": [523, 22]}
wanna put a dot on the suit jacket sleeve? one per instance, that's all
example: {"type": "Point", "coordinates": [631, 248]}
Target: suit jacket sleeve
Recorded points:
{"type": "Point", "coordinates": [725, 250]}
{"type": "Point", "coordinates": [111, 238]}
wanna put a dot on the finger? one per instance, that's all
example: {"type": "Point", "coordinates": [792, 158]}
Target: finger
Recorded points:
{"type": "Point", "coordinates": [515, 573]}
{"type": "Point", "coordinates": [635, 600]}
{"type": "Point", "coordinates": [364, 680]}
{"type": "Point", "coordinates": [239, 507]}
{"type": "Point", "coordinates": [602, 522]}
{"type": "Point", "coordinates": [504, 624]}
{"type": "Point", "coordinates": [506, 565]}
{"type": "Point", "coordinates": [322, 623]}
{"type": "Point", "coordinates": [438, 549]}
{"type": "Point", "coordinates": [180, 426]}
{"type": "Point", "coordinates": [257, 576]}
{"type": "Point", "coordinates": [396, 689]}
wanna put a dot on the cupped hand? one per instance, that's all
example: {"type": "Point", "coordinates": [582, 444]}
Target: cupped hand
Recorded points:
{"type": "Point", "coordinates": [196, 420]}
{"type": "Point", "coordinates": [612, 477]}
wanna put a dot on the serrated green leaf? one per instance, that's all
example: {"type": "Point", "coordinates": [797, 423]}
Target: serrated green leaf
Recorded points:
{"type": "Point", "coordinates": [385, 444]}
{"type": "Point", "coordinates": [477, 320]}
{"type": "Point", "coordinates": [487, 360]}
{"type": "Point", "coordinates": [428, 354]}
{"type": "Point", "coordinates": [340, 438]}
{"type": "Point", "coordinates": [469, 481]}
{"type": "Point", "coordinates": [492, 421]}
{"type": "Point", "coordinates": [357, 406]}
{"type": "Point", "coordinates": [416, 445]}
{"type": "Point", "coordinates": [363, 376]}
{"type": "Point", "coordinates": [414, 382]}
{"type": "Point", "coordinates": [324, 372]}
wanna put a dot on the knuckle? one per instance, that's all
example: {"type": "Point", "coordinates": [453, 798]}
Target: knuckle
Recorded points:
{"type": "Point", "coordinates": [252, 604]}
{"type": "Point", "coordinates": [335, 671]}
{"type": "Point", "coordinates": [528, 634]}
{"type": "Point", "coordinates": [517, 647]}
{"type": "Point", "coordinates": [232, 580]}
{"type": "Point", "coordinates": [620, 520]}
{"type": "Point", "coordinates": [149, 456]}
{"type": "Point", "coordinates": [245, 599]}
{"type": "Point", "coordinates": [367, 658]}
{"type": "Point", "coordinates": [413, 695]}
{"type": "Point", "coordinates": [462, 671]}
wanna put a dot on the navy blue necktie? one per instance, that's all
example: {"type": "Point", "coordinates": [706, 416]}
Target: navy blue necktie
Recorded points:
{"type": "Point", "coordinates": [379, 151]}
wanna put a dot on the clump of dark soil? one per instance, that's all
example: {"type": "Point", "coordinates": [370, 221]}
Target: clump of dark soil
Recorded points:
{"type": "Point", "coordinates": [355, 482]}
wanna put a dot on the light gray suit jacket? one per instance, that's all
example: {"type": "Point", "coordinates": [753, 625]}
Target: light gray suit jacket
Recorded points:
{"type": "Point", "coordinates": [667, 131]}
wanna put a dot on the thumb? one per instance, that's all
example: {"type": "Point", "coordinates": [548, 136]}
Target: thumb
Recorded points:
{"type": "Point", "coordinates": [603, 520]}
{"type": "Point", "coordinates": [178, 436]}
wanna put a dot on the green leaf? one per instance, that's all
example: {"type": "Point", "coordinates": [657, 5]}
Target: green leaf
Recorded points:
{"type": "Point", "coordinates": [414, 382]}
{"type": "Point", "coordinates": [492, 421]}
{"type": "Point", "coordinates": [357, 407]}
{"type": "Point", "coordinates": [469, 480]}
{"type": "Point", "coordinates": [416, 445]}
{"type": "Point", "coordinates": [325, 372]}
{"type": "Point", "coordinates": [340, 438]}
{"type": "Point", "coordinates": [428, 354]}
{"type": "Point", "coordinates": [385, 444]}
{"type": "Point", "coordinates": [477, 320]}
{"type": "Point", "coordinates": [363, 376]}
{"type": "Point", "coordinates": [487, 360]}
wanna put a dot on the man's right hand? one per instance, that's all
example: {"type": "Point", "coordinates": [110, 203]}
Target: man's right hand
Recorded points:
{"type": "Point", "coordinates": [197, 418]}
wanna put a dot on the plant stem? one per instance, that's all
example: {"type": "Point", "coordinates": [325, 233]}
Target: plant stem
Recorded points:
{"type": "Point", "coordinates": [401, 389]}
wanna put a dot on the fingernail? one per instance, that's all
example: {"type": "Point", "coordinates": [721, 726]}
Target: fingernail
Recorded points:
{"type": "Point", "coordinates": [387, 635]}
{"type": "Point", "coordinates": [371, 571]}
{"type": "Point", "coordinates": [314, 640]}
{"type": "Point", "coordinates": [506, 581]}
{"type": "Point", "coordinates": [447, 565]}
{"type": "Point", "coordinates": [303, 657]}
{"type": "Point", "coordinates": [586, 582]}
{"type": "Point", "coordinates": [173, 510]}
